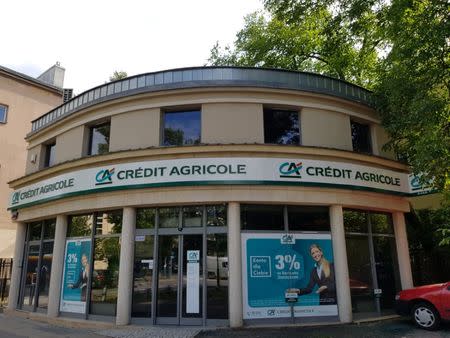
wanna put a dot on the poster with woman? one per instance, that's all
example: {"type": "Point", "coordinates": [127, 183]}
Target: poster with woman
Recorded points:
{"type": "Point", "coordinates": [76, 275]}
{"type": "Point", "coordinates": [278, 263]}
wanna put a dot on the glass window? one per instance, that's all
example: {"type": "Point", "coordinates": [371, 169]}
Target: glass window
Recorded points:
{"type": "Point", "coordinates": [35, 231]}
{"type": "Point", "coordinates": [50, 155]}
{"type": "Point", "coordinates": [217, 283]}
{"type": "Point", "coordinates": [181, 128]}
{"type": "Point", "coordinates": [45, 273]}
{"type": "Point", "coordinates": [169, 217]}
{"type": "Point", "coordinates": [143, 275]}
{"type": "Point", "coordinates": [145, 218]}
{"type": "Point", "coordinates": [306, 218]}
{"type": "Point", "coordinates": [281, 127]}
{"type": "Point", "coordinates": [381, 223]}
{"type": "Point", "coordinates": [109, 223]}
{"type": "Point", "coordinates": [262, 217]}
{"type": "Point", "coordinates": [3, 113]}
{"type": "Point", "coordinates": [355, 221]}
{"type": "Point", "coordinates": [99, 139]}
{"type": "Point", "coordinates": [49, 229]}
{"type": "Point", "coordinates": [361, 137]}
{"type": "Point", "coordinates": [80, 226]}
{"type": "Point", "coordinates": [192, 216]}
{"type": "Point", "coordinates": [105, 276]}
{"type": "Point", "coordinates": [216, 215]}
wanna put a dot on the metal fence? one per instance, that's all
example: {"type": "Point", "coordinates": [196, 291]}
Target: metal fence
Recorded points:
{"type": "Point", "coordinates": [5, 279]}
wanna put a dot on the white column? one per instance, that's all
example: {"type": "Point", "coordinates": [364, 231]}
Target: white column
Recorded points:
{"type": "Point", "coordinates": [234, 265]}
{"type": "Point", "coordinates": [340, 264]}
{"type": "Point", "coordinates": [125, 289]}
{"type": "Point", "coordinates": [401, 241]}
{"type": "Point", "coordinates": [17, 266]}
{"type": "Point", "coordinates": [59, 246]}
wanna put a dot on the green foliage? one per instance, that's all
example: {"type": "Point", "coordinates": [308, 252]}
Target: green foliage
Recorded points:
{"type": "Point", "coordinates": [173, 137]}
{"type": "Point", "coordinates": [118, 75]}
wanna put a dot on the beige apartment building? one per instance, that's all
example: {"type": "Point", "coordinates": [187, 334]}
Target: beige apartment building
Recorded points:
{"type": "Point", "coordinates": [22, 99]}
{"type": "Point", "coordinates": [211, 195]}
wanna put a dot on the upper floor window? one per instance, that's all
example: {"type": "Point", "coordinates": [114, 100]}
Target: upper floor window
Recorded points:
{"type": "Point", "coordinates": [181, 128]}
{"type": "Point", "coordinates": [3, 113]}
{"type": "Point", "coordinates": [99, 139]}
{"type": "Point", "coordinates": [49, 154]}
{"type": "Point", "coordinates": [361, 137]}
{"type": "Point", "coordinates": [281, 126]}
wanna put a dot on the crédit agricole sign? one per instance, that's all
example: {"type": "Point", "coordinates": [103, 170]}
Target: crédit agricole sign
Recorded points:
{"type": "Point", "coordinates": [210, 171]}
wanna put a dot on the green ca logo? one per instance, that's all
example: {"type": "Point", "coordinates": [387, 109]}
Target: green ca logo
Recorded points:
{"type": "Point", "coordinates": [104, 176]}
{"type": "Point", "coordinates": [290, 169]}
{"type": "Point", "coordinates": [16, 197]}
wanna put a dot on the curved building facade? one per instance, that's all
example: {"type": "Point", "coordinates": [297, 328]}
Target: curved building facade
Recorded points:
{"type": "Point", "coordinates": [211, 196]}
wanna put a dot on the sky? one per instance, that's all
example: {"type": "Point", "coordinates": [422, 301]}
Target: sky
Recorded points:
{"type": "Point", "coordinates": [92, 39]}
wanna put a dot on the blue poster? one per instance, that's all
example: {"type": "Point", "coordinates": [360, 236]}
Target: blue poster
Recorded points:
{"type": "Point", "coordinates": [76, 275]}
{"type": "Point", "coordinates": [278, 263]}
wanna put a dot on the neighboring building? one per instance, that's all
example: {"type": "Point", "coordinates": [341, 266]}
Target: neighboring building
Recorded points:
{"type": "Point", "coordinates": [202, 195]}
{"type": "Point", "coordinates": [22, 99]}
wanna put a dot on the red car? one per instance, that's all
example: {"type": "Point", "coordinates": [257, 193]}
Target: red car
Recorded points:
{"type": "Point", "coordinates": [428, 304]}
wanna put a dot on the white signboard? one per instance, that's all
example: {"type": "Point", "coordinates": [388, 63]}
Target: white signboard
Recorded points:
{"type": "Point", "coordinates": [193, 282]}
{"type": "Point", "coordinates": [210, 171]}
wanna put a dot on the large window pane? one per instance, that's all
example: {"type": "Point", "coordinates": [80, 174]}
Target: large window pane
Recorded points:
{"type": "Point", "coordinates": [281, 127]}
{"type": "Point", "coordinates": [99, 141]}
{"type": "Point", "coordinates": [181, 128]}
{"type": "Point", "coordinates": [305, 218]}
{"type": "Point", "coordinates": [31, 275]}
{"type": "Point", "coordinates": [50, 155]}
{"type": "Point", "coordinates": [35, 231]}
{"type": "Point", "coordinates": [109, 223]}
{"type": "Point", "coordinates": [192, 216]}
{"type": "Point", "coordinates": [143, 275]}
{"type": "Point", "coordinates": [217, 277]}
{"type": "Point", "coordinates": [381, 223]}
{"type": "Point", "coordinates": [44, 274]}
{"type": "Point", "coordinates": [167, 276]}
{"type": "Point", "coordinates": [169, 217]}
{"type": "Point", "coordinates": [3, 113]}
{"type": "Point", "coordinates": [105, 276]}
{"type": "Point", "coordinates": [262, 217]}
{"type": "Point", "coordinates": [80, 226]}
{"type": "Point", "coordinates": [145, 218]}
{"type": "Point", "coordinates": [49, 229]}
{"type": "Point", "coordinates": [216, 215]}
{"type": "Point", "coordinates": [355, 221]}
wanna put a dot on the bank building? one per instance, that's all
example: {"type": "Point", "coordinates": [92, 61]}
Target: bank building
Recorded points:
{"type": "Point", "coordinates": [211, 196]}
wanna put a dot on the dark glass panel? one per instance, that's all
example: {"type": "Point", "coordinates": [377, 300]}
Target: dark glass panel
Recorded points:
{"type": "Point", "coordinates": [45, 273]}
{"type": "Point", "coordinates": [105, 276]}
{"type": "Point", "coordinates": [143, 276]}
{"type": "Point", "coordinates": [49, 229]}
{"type": "Point", "coordinates": [361, 137]}
{"type": "Point", "coordinates": [217, 277]}
{"type": "Point", "coordinates": [262, 217]}
{"type": "Point", "coordinates": [35, 231]}
{"type": "Point", "coordinates": [360, 274]}
{"type": "Point", "coordinates": [306, 218]}
{"type": "Point", "coordinates": [50, 155]}
{"type": "Point", "coordinates": [182, 128]}
{"type": "Point", "coordinates": [31, 275]}
{"type": "Point", "coordinates": [169, 217]}
{"type": "Point", "coordinates": [281, 127]}
{"type": "Point", "coordinates": [381, 223]}
{"type": "Point", "coordinates": [355, 221]}
{"type": "Point", "coordinates": [167, 276]}
{"type": "Point", "coordinates": [109, 223]}
{"type": "Point", "coordinates": [99, 142]}
{"type": "Point", "coordinates": [80, 225]}
{"type": "Point", "coordinates": [216, 215]}
{"type": "Point", "coordinates": [192, 216]}
{"type": "Point", "coordinates": [145, 218]}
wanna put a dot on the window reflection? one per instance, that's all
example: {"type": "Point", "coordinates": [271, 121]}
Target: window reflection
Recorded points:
{"type": "Point", "coordinates": [99, 139]}
{"type": "Point", "coordinates": [143, 275]}
{"type": "Point", "coordinates": [109, 223]}
{"type": "Point", "coordinates": [281, 127]}
{"type": "Point", "coordinates": [169, 217]}
{"type": "Point", "coordinates": [192, 216]}
{"type": "Point", "coordinates": [80, 225]}
{"type": "Point", "coordinates": [181, 128]}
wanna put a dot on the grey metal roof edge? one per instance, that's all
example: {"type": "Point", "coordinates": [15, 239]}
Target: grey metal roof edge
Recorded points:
{"type": "Point", "coordinates": [198, 77]}
{"type": "Point", "coordinates": [28, 78]}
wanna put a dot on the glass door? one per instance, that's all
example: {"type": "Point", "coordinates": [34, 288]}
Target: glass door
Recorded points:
{"type": "Point", "coordinates": [179, 297]}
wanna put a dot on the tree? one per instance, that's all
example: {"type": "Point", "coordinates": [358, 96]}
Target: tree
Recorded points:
{"type": "Point", "coordinates": [118, 75]}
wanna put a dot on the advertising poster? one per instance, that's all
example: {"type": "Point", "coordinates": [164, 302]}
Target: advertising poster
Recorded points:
{"type": "Point", "coordinates": [75, 275]}
{"type": "Point", "coordinates": [279, 263]}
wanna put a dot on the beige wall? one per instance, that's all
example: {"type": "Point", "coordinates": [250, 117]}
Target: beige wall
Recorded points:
{"type": "Point", "coordinates": [25, 102]}
{"type": "Point", "coordinates": [232, 123]}
{"type": "Point", "coordinates": [135, 130]}
{"type": "Point", "coordinates": [380, 138]}
{"type": "Point", "coordinates": [322, 128]}
{"type": "Point", "coordinates": [71, 144]}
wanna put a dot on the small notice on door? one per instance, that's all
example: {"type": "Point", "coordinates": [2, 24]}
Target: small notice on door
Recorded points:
{"type": "Point", "coordinates": [193, 281]}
